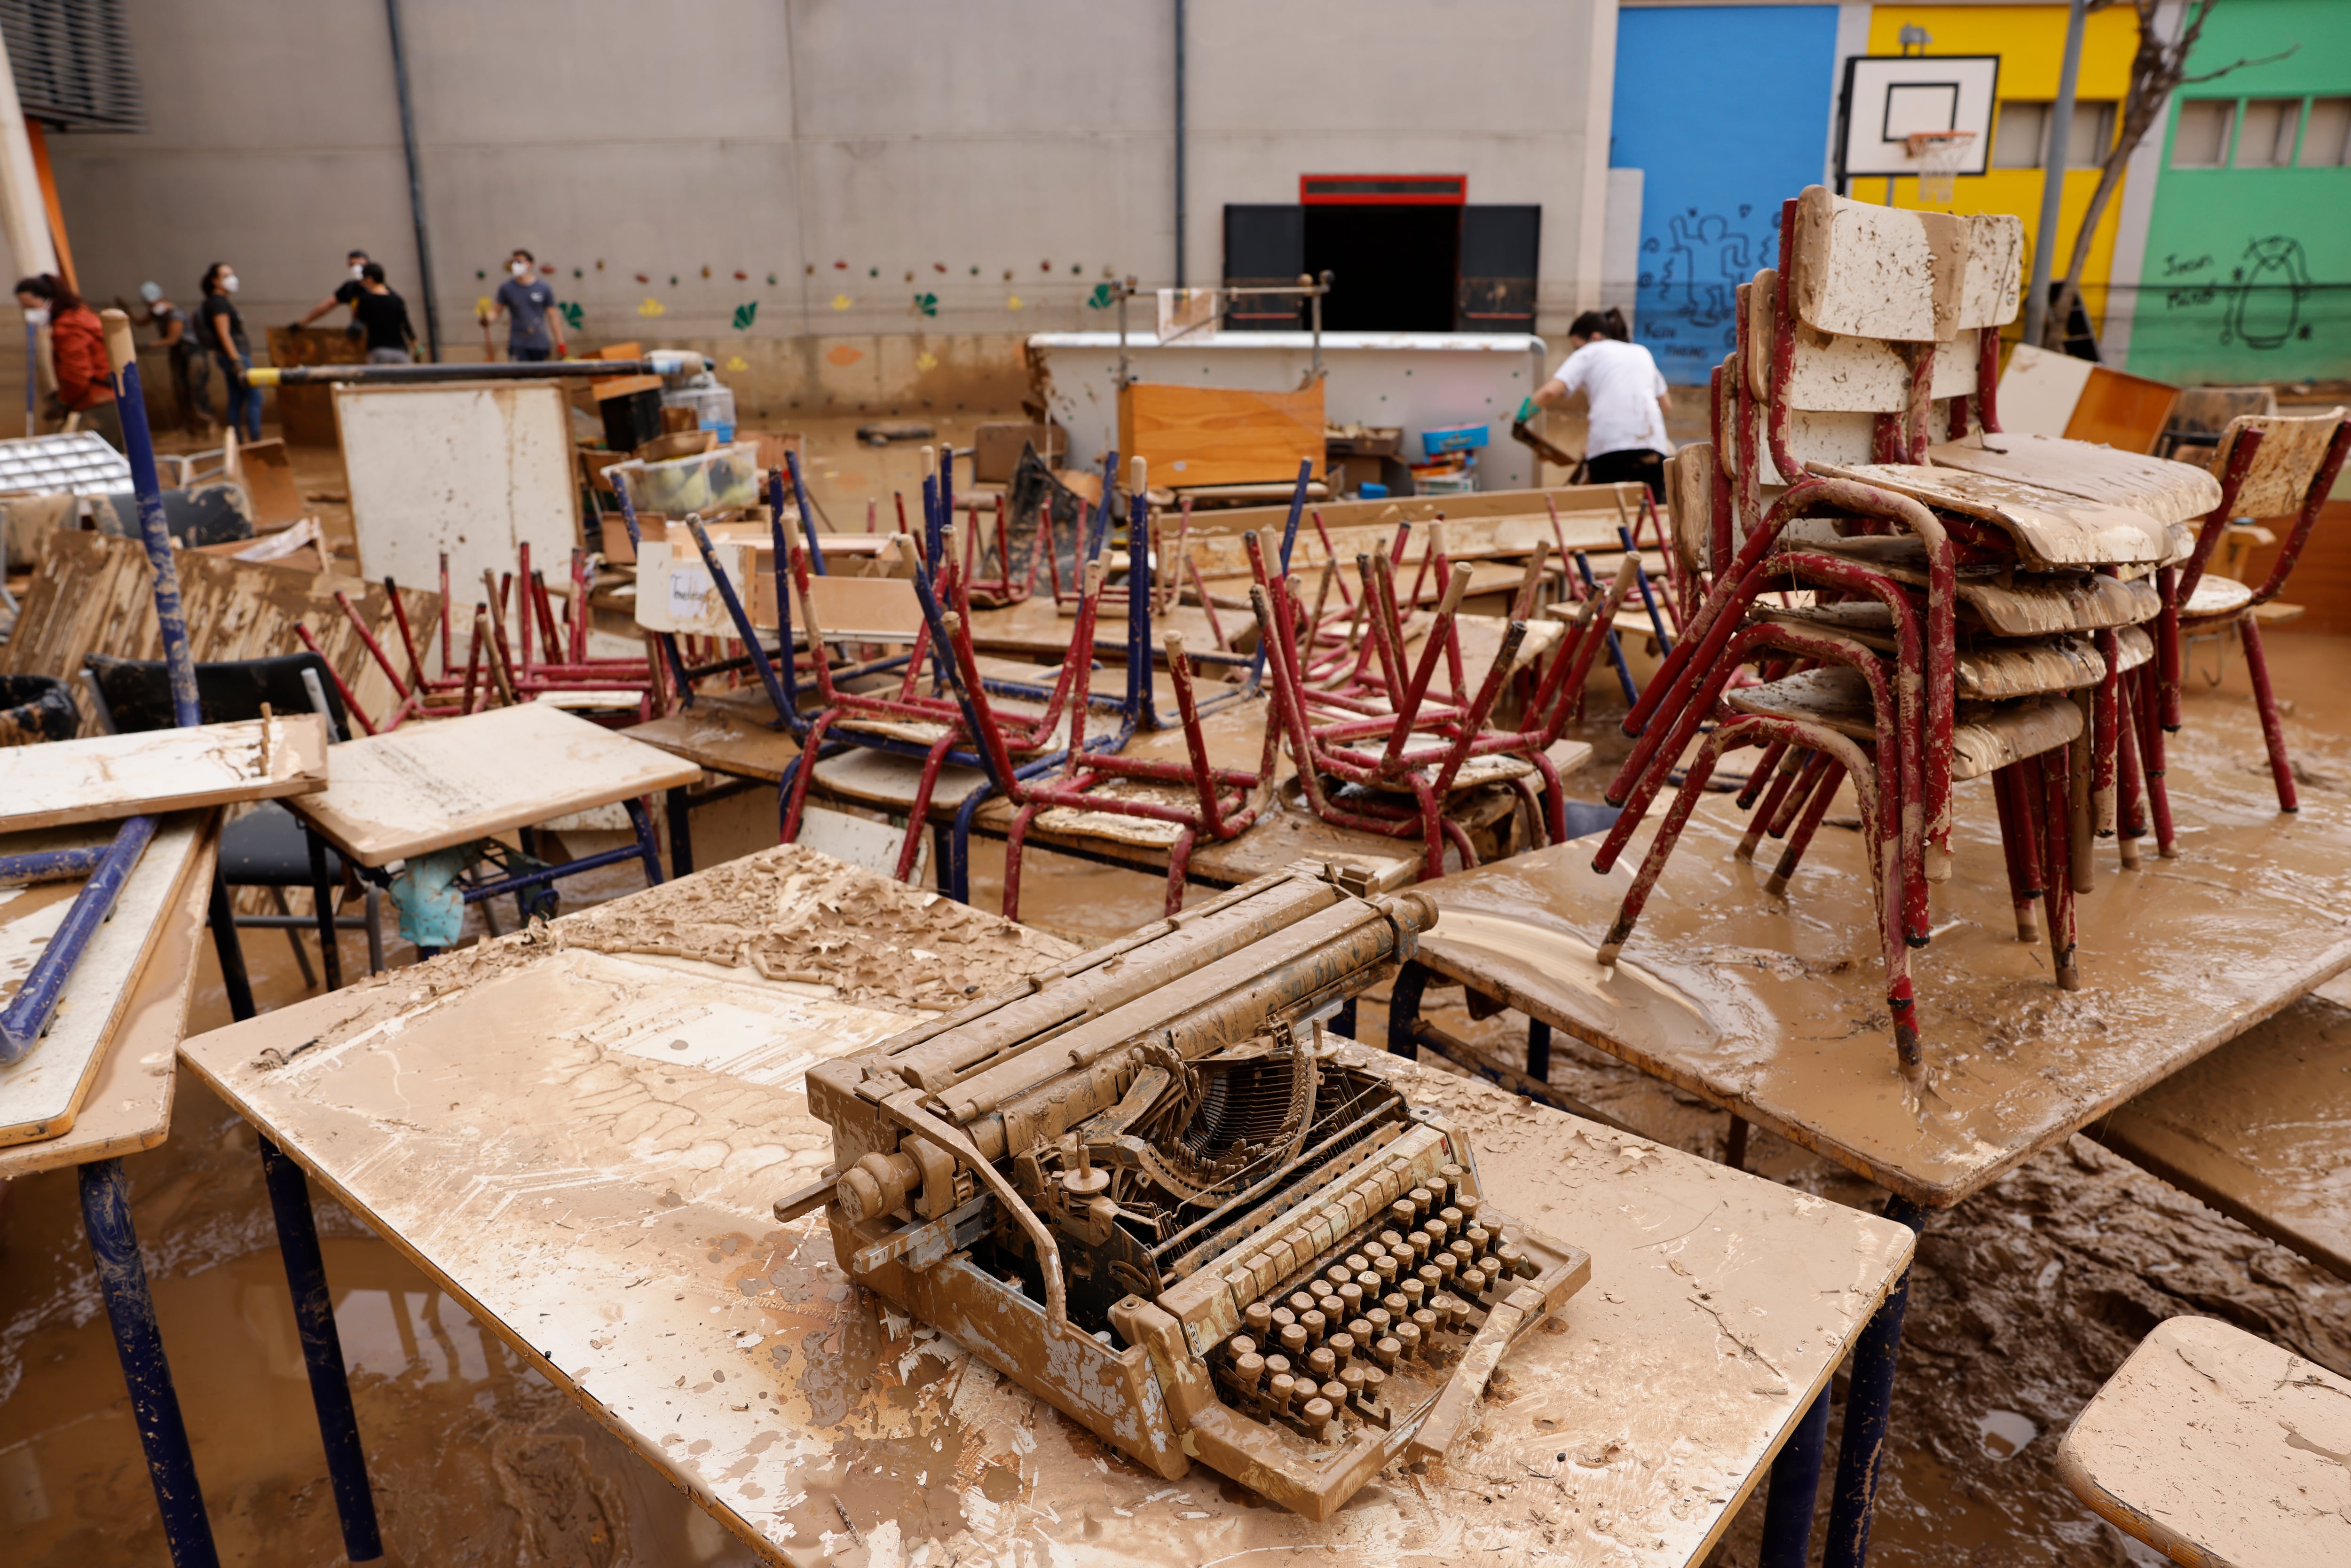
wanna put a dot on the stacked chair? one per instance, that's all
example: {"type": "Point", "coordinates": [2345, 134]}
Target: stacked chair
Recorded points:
{"type": "Point", "coordinates": [1951, 603]}
{"type": "Point", "coordinates": [1379, 747]}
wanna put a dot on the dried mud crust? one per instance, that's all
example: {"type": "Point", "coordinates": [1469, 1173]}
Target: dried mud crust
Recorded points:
{"type": "Point", "coordinates": [789, 913]}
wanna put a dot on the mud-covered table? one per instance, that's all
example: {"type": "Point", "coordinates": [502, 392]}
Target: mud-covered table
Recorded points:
{"type": "Point", "coordinates": [1773, 1007]}
{"type": "Point", "coordinates": [578, 1133]}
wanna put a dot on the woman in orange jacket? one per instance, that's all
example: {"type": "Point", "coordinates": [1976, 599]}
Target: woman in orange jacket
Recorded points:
{"type": "Point", "coordinates": [78, 349]}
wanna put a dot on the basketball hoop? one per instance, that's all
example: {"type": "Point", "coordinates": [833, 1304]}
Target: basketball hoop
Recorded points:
{"type": "Point", "coordinates": [1940, 154]}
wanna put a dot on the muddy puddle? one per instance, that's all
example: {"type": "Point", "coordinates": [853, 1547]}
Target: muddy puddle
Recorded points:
{"type": "Point", "coordinates": [2023, 1303]}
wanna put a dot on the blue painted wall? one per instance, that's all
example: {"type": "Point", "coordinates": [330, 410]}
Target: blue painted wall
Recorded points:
{"type": "Point", "coordinates": [1727, 110]}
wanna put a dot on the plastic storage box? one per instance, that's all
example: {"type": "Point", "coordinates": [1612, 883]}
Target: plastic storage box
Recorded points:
{"type": "Point", "coordinates": [710, 480]}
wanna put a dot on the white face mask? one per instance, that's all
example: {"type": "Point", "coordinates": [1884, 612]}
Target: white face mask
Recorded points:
{"type": "Point", "coordinates": [229, 283]}
{"type": "Point", "coordinates": [517, 267]}
{"type": "Point", "coordinates": [36, 316]}
{"type": "Point", "coordinates": [358, 269]}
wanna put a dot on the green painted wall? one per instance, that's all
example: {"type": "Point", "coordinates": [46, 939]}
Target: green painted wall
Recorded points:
{"type": "Point", "coordinates": [2248, 270]}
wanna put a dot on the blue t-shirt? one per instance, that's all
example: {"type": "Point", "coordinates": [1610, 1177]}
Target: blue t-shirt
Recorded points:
{"type": "Point", "coordinates": [527, 306]}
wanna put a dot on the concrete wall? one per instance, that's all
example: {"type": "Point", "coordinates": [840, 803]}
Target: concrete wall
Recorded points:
{"type": "Point", "coordinates": [863, 202]}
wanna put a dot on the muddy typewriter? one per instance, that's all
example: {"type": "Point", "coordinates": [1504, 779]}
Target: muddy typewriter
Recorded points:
{"type": "Point", "coordinates": [1151, 1188]}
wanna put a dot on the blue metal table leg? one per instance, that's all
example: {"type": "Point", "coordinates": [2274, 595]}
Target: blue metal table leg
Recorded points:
{"type": "Point", "coordinates": [1867, 1396]}
{"type": "Point", "coordinates": [222, 918]}
{"type": "Point", "coordinates": [122, 1277]}
{"type": "Point", "coordinates": [648, 845]}
{"type": "Point", "coordinates": [1342, 1022]}
{"type": "Point", "coordinates": [1795, 1488]}
{"type": "Point", "coordinates": [322, 1349]}
{"type": "Point", "coordinates": [1404, 1009]}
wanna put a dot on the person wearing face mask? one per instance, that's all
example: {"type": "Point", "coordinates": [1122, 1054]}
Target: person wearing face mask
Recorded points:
{"type": "Point", "coordinates": [78, 349]}
{"type": "Point", "coordinates": [223, 330]}
{"type": "Point", "coordinates": [346, 293]}
{"type": "Point", "coordinates": [191, 369]}
{"type": "Point", "coordinates": [529, 301]}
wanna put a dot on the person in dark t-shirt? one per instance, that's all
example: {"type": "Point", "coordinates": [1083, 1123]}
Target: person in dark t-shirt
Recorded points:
{"type": "Point", "coordinates": [222, 331]}
{"type": "Point", "coordinates": [347, 292]}
{"type": "Point", "coordinates": [382, 316]}
{"type": "Point", "coordinates": [528, 301]}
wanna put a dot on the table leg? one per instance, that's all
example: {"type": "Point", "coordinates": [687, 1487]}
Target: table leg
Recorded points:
{"type": "Point", "coordinates": [222, 918]}
{"type": "Point", "coordinates": [1342, 1022]}
{"type": "Point", "coordinates": [648, 845]}
{"type": "Point", "coordinates": [1795, 1490]}
{"type": "Point", "coordinates": [371, 905]}
{"type": "Point", "coordinates": [1404, 1009]}
{"type": "Point", "coordinates": [1734, 1153]}
{"type": "Point", "coordinates": [1867, 1394]}
{"type": "Point", "coordinates": [1539, 1049]}
{"type": "Point", "coordinates": [138, 1343]}
{"type": "Point", "coordinates": [322, 1349]}
{"type": "Point", "coordinates": [681, 831]}
{"type": "Point", "coordinates": [322, 894]}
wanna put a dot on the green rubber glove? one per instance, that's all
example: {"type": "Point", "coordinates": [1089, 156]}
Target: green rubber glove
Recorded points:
{"type": "Point", "coordinates": [1527, 411]}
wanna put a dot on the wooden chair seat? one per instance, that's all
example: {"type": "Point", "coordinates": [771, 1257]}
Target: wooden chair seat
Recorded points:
{"type": "Point", "coordinates": [1476, 773]}
{"type": "Point", "coordinates": [1987, 671]}
{"type": "Point", "coordinates": [1838, 698]}
{"type": "Point", "coordinates": [2215, 597]}
{"type": "Point", "coordinates": [2052, 530]}
{"type": "Point", "coordinates": [2169, 491]}
{"type": "Point", "coordinates": [2027, 605]}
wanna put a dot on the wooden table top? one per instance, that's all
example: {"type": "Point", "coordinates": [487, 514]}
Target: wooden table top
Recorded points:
{"type": "Point", "coordinates": [2261, 1129]}
{"type": "Point", "coordinates": [100, 1085]}
{"type": "Point", "coordinates": [2217, 1448]}
{"type": "Point", "coordinates": [1775, 1007]}
{"type": "Point", "coordinates": [430, 785]}
{"type": "Point", "coordinates": [582, 1146]}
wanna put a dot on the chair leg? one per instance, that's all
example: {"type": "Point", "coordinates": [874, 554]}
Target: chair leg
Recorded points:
{"type": "Point", "coordinates": [2130, 814]}
{"type": "Point", "coordinates": [2080, 819]}
{"type": "Point", "coordinates": [372, 905]}
{"type": "Point", "coordinates": [2056, 862]}
{"type": "Point", "coordinates": [2017, 848]}
{"type": "Point", "coordinates": [1801, 837]}
{"type": "Point", "coordinates": [222, 918]}
{"type": "Point", "coordinates": [294, 939]}
{"type": "Point", "coordinates": [2257, 665]}
{"type": "Point", "coordinates": [641, 817]}
{"type": "Point", "coordinates": [1792, 764]}
{"type": "Point", "coordinates": [322, 894]}
{"type": "Point", "coordinates": [2151, 747]}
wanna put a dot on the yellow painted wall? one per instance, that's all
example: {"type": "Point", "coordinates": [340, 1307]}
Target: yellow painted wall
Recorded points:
{"type": "Point", "coordinates": [2031, 43]}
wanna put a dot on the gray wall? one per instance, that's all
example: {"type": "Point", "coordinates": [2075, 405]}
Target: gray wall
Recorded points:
{"type": "Point", "coordinates": [780, 137]}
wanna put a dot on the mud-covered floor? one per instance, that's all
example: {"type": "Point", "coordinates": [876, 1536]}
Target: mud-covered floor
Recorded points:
{"type": "Point", "coordinates": [2023, 1303]}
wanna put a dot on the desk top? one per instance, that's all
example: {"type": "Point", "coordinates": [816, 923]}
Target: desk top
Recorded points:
{"type": "Point", "coordinates": [101, 777]}
{"type": "Point", "coordinates": [92, 1087]}
{"type": "Point", "coordinates": [431, 784]}
{"type": "Point", "coordinates": [582, 1148]}
{"type": "Point", "coordinates": [2261, 1129]}
{"type": "Point", "coordinates": [1775, 1007]}
{"type": "Point", "coordinates": [2214, 1447]}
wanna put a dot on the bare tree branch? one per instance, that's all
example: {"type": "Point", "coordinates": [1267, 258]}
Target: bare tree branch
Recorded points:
{"type": "Point", "coordinates": [2156, 69]}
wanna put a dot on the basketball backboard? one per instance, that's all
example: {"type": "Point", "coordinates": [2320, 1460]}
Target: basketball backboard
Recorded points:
{"type": "Point", "coordinates": [1890, 98]}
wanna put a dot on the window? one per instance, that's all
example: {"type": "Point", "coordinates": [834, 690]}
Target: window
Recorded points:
{"type": "Point", "coordinates": [2017, 139]}
{"type": "Point", "coordinates": [2021, 137]}
{"type": "Point", "coordinates": [2326, 139]}
{"type": "Point", "coordinates": [2201, 138]}
{"type": "Point", "coordinates": [2265, 134]}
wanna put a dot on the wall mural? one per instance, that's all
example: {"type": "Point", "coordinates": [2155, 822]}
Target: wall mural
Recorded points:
{"type": "Point", "coordinates": [1686, 311]}
{"type": "Point", "coordinates": [2265, 294]}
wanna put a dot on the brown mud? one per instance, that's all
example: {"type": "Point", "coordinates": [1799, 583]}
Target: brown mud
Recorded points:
{"type": "Point", "coordinates": [2022, 1301]}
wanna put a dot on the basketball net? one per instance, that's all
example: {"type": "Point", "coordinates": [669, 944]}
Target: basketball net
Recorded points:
{"type": "Point", "coordinates": [1942, 154]}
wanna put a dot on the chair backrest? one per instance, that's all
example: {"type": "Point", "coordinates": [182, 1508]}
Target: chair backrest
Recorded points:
{"type": "Point", "coordinates": [2284, 464]}
{"type": "Point", "coordinates": [137, 693]}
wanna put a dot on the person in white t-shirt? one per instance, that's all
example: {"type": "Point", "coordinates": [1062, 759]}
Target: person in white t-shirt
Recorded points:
{"type": "Point", "coordinates": [1627, 398]}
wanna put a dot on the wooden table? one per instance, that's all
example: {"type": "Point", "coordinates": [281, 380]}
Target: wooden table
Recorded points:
{"type": "Point", "coordinates": [2214, 1447]}
{"type": "Point", "coordinates": [2261, 1129]}
{"type": "Point", "coordinates": [457, 781]}
{"type": "Point", "coordinates": [582, 1145]}
{"type": "Point", "coordinates": [1774, 1009]}
{"type": "Point", "coordinates": [131, 993]}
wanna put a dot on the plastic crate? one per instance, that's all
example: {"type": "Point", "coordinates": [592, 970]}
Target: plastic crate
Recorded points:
{"type": "Point", "coordinates": [1452, 438]}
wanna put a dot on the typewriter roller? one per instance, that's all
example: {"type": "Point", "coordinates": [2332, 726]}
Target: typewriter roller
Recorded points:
{"type": "Point", "coordinates": [1150, 1188]}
